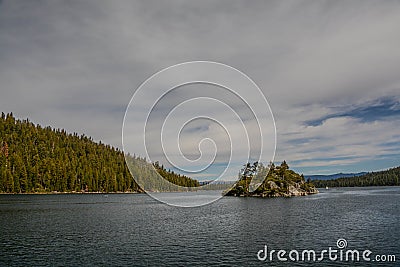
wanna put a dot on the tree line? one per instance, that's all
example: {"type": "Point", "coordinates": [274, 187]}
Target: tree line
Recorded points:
{"type": "Point", "coordinates": [388, 177]}
{"type": "Point", "coordinates": [41, 159]}
{"type": "Point", "coordinates": [175, 178]}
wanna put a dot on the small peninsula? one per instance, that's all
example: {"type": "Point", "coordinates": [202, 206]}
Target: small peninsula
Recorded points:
{"type": "Point", "coordinates": [276, 181]}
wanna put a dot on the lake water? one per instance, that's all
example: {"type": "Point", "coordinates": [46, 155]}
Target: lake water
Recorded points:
{"type": "Point", "coordinates": [136, 230]}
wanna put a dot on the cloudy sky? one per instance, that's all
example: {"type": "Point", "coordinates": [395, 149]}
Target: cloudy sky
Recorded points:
{"type": "Point", "coordinates": [330, 70]}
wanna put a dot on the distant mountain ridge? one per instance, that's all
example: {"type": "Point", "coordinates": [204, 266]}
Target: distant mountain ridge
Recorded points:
{"type": "Point", "coordinates": [333, 176]}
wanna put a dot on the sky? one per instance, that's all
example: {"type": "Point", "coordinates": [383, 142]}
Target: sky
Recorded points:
{"type": "Point", "coordinates": [329, 70]}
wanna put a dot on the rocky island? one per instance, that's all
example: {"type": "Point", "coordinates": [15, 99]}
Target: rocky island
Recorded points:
{"type": "Point", "coordinates": [276, 181]}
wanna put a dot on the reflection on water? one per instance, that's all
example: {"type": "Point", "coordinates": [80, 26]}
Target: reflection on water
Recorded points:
{"type": "Point", "coordinates": [188, 199]}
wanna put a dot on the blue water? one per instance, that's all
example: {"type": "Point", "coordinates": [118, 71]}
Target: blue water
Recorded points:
{"type": "Point", "coordinates": [136, 230]}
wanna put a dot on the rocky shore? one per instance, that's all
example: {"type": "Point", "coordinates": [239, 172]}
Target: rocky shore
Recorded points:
{"type": "Point", "coordinates": [275, 181]}
{"type": "Point", "coordinates": [293, 190]}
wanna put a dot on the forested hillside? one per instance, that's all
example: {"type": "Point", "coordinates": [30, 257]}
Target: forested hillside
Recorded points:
{"type": "Point", "coordinates": [382, 178]}
{"type": "Point", "coordinates": [37, 159]}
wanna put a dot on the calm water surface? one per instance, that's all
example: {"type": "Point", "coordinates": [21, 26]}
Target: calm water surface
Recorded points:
{"type": "Point", "coordinates": [135, 230]}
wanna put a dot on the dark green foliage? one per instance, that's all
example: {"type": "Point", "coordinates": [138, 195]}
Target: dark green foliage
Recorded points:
{"type": "Point", "coordinates": [44, 160]}
{"type": "Point", "coordinates": [175, 178]}
{"type": "Point", "coordinates": [382, 178]}
{"type": "Point", "coordinates": [245, 176]}
{"type": "Point", "coordinates": [150, 177]}
{"type": "Point", "coordinates": [37, 159]}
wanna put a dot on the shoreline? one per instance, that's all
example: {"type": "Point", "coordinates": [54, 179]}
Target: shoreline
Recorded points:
{"type": "Point", "coordinates": [132, 192]}
{"type": "Point", "coordinates": [69, 193]}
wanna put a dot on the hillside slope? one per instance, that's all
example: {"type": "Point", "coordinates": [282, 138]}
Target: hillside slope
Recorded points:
{"type": "Point", "coordinates": [37, 159]}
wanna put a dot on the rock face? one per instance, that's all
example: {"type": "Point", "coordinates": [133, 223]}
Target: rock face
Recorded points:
{"type": "Point", "coordinates": [293, 190]}
{"type": "Point", "coordinates": [296, 190]}
{"type": "Point", "coordinates": [272, 185]}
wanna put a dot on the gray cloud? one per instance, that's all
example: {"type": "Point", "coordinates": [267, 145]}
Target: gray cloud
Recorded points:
{"type": "Point", "coordinates": [75, 64]}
